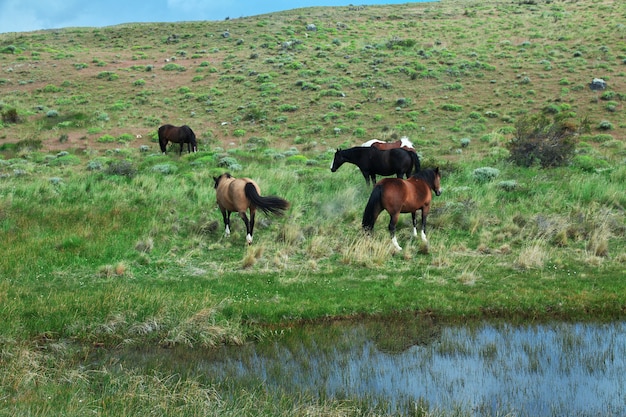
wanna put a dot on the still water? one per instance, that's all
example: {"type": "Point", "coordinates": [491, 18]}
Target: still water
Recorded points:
{"type": "Point", "coordinates": [555, 369]}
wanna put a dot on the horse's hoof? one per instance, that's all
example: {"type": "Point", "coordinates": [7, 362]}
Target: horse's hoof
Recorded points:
{"type": "Point", "coordinates": [249, 239]}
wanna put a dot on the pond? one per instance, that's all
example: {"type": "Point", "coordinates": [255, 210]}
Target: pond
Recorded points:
{"type": "Point", "coordinates": [553, 369]}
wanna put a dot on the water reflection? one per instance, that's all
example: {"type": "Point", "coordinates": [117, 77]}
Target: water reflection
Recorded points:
{"type": "Point", "coordinates": [558, 369]}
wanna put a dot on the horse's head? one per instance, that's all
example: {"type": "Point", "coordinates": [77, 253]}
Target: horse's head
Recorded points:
{"type": "Point", "coordinates": [338, 160]}
{"type": "Point", "coordinates": [437, 181]}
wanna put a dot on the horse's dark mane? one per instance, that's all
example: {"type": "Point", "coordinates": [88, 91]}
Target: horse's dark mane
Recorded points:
{"type": "Point", "coordinates": [427, 175]}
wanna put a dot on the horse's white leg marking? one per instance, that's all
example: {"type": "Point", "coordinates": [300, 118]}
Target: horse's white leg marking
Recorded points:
{"type": "Point", "coordinates": [249, 238]}
{"type": "Point", "coordinates": [414, 231]}
{"type": "Point", "coordinates": [227, 231]}
{"type": "Point", "coordinates": [424, 237]}
{"type": "Point", "coordinates": [395, 243]}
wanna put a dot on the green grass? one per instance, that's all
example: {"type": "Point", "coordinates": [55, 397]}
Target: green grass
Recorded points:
{"type": "Point", "coordinates": [111, 244]}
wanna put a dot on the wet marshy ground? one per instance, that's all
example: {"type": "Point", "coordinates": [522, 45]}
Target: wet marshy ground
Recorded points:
{"type": "Point", "coordinates": [551, 369]}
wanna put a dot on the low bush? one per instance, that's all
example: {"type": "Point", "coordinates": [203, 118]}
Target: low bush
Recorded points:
{"type": "Point", "coordinates": [485, 174]}
{"type": "Point", "coordinates": [121, 168]}
{"type": "Point", "coordinates": [10, 116]}
{"type": "Point", "coordinates": [540, 139]}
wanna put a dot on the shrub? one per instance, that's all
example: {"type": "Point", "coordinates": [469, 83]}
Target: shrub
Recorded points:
{"type": "Point", "coordinates": [28, 145]}
{"type": "Point", "coordinates": [125, 137]}
{"type": "Point", "coordinates": [509, 185]}
{"type": "Point", "coordinates": [11, 49]}
{"type": "Point", "coordinates": [451, 107]}
{"type": "Point", "coordinates": [108, 75]}
{"type": "Point", "coordinates": [608, 95]}
{"type": "Point", "coordinates": [165, 169]}
{"type": "Point", "coordinates": [288, 107]}
{"type": "Point", "coordinates": [65, 159]}
{"type": "Point", "coordinates": [601, 138]}
{"type": "Point", "coordinates": [611, 106]}
{"type": "Point", "coordinates": [95, 165]}
{"type": "Point", "coordinates": [605, 125]}
{"type": "Point", "coordinates": [52, 89]}
{"type": "Point", "coordinates": [10, 116]}
{"type": "Point", "coordinates": [485, 174]}
{"type": "Point", "coordinates": [230, 163]}
{"type": "Point", "coordinates": [174, 67]}
{"type": "Point", "coordinates": [257, 141]}
{"type": "Point", "coordinates": [550, 142]}
{"type": "Point", "coordinates": [588, 163]}
{"type": "Point", "coordinates": [400, 43]}
{"type": "Point", "coordinates": [121, 168]}
{"type": "Point", "coordinates": [106, 138]}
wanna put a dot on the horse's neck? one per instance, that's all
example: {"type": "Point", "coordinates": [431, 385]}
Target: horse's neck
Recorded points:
{"type": "Point", "coordinates": [421, 179]}
{"type": "Point", "coordinates": [354, 154]}
{"type": "Point", "coordinates": [225, 183]}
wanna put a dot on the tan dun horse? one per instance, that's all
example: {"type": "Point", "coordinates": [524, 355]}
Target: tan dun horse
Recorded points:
{"type": "Point", "coordinates": [237, 195]}
{"type": "Point", "coordinates": [177, 134]}
{"type": "Point", "coordinates": [397, 196]}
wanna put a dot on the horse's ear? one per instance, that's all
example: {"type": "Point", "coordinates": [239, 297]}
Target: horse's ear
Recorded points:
{"type": "Point", "coordinates": [437, 170]}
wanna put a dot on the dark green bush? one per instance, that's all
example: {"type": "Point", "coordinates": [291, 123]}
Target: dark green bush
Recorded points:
{"type": "Point", "coordinates": [10, 116]}
{"type": "Point", "coordinates": [540, 139]}
{"type": "Point", "coordinates": [121, 168]}
{"type": "Point", "coordinates": [28, 144]}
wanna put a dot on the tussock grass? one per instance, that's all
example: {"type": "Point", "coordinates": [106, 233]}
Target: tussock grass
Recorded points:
{"type": "Point", "coordinates": [533, 255]}
{"type": "Point", "coordinates": [366, 251]}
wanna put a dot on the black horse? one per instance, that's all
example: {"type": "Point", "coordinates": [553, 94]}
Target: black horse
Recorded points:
{"type": "Point", "coordinates": [372, 161]}
{"type": "Point", "coordinates": [176, 134]}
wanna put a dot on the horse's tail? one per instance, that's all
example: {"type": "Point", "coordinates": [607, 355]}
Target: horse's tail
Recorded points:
{"type": "Point", "coordinates": [372, 209]}
{"type": "Point", "coordinates": [269, 204]}
{"type": "Point", "coordinates": [162, 139]}
{"type": "Point", "coordinates": [416, 162]}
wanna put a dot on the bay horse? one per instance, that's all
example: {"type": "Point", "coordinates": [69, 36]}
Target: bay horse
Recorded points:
{"type": "Point", "coordinates": [372, 161]}
{"type": "Point", "coordinates": [177, 134]}
{"type": "Point", "coordinates": [237, 195]}
{"type": "Point", "coordinates": [403, 143]}
{"type": "Point", "coordinates": [397, 196]}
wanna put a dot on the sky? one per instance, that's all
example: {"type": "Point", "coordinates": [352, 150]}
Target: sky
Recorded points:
{"type": "Point", "coordinates": [30, 15]}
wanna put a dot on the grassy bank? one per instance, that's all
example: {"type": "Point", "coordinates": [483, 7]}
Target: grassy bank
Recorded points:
{"type": "Point", "coordinates": [103, 259]}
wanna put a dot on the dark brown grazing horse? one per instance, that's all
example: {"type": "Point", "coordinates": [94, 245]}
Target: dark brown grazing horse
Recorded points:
{"type": "Point", "coordinates": [403, 143]}
{"type": "Point", "coordinates": [176, 134]}
{"type": "Point", "coordinates": [236, 195]}
{"type": "Point", "coordinates": [397, 196]}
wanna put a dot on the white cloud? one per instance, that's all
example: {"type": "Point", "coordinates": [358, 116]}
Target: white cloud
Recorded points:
{"type": "Point", "coordinates": [27, 15]}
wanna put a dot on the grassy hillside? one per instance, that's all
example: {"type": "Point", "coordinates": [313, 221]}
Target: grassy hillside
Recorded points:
{"type": "Point", "coordinates": [316, 78]}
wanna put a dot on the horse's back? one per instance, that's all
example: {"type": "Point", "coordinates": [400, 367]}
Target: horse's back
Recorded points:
{"type": "Point", "coordinates": [404, 196]}
{"type": "Point", "coordinates": [163, 129]}
{"type": "Point", "coordinates": [231, 195]}
{"type": "Point", "coordinates": [175, 133]}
